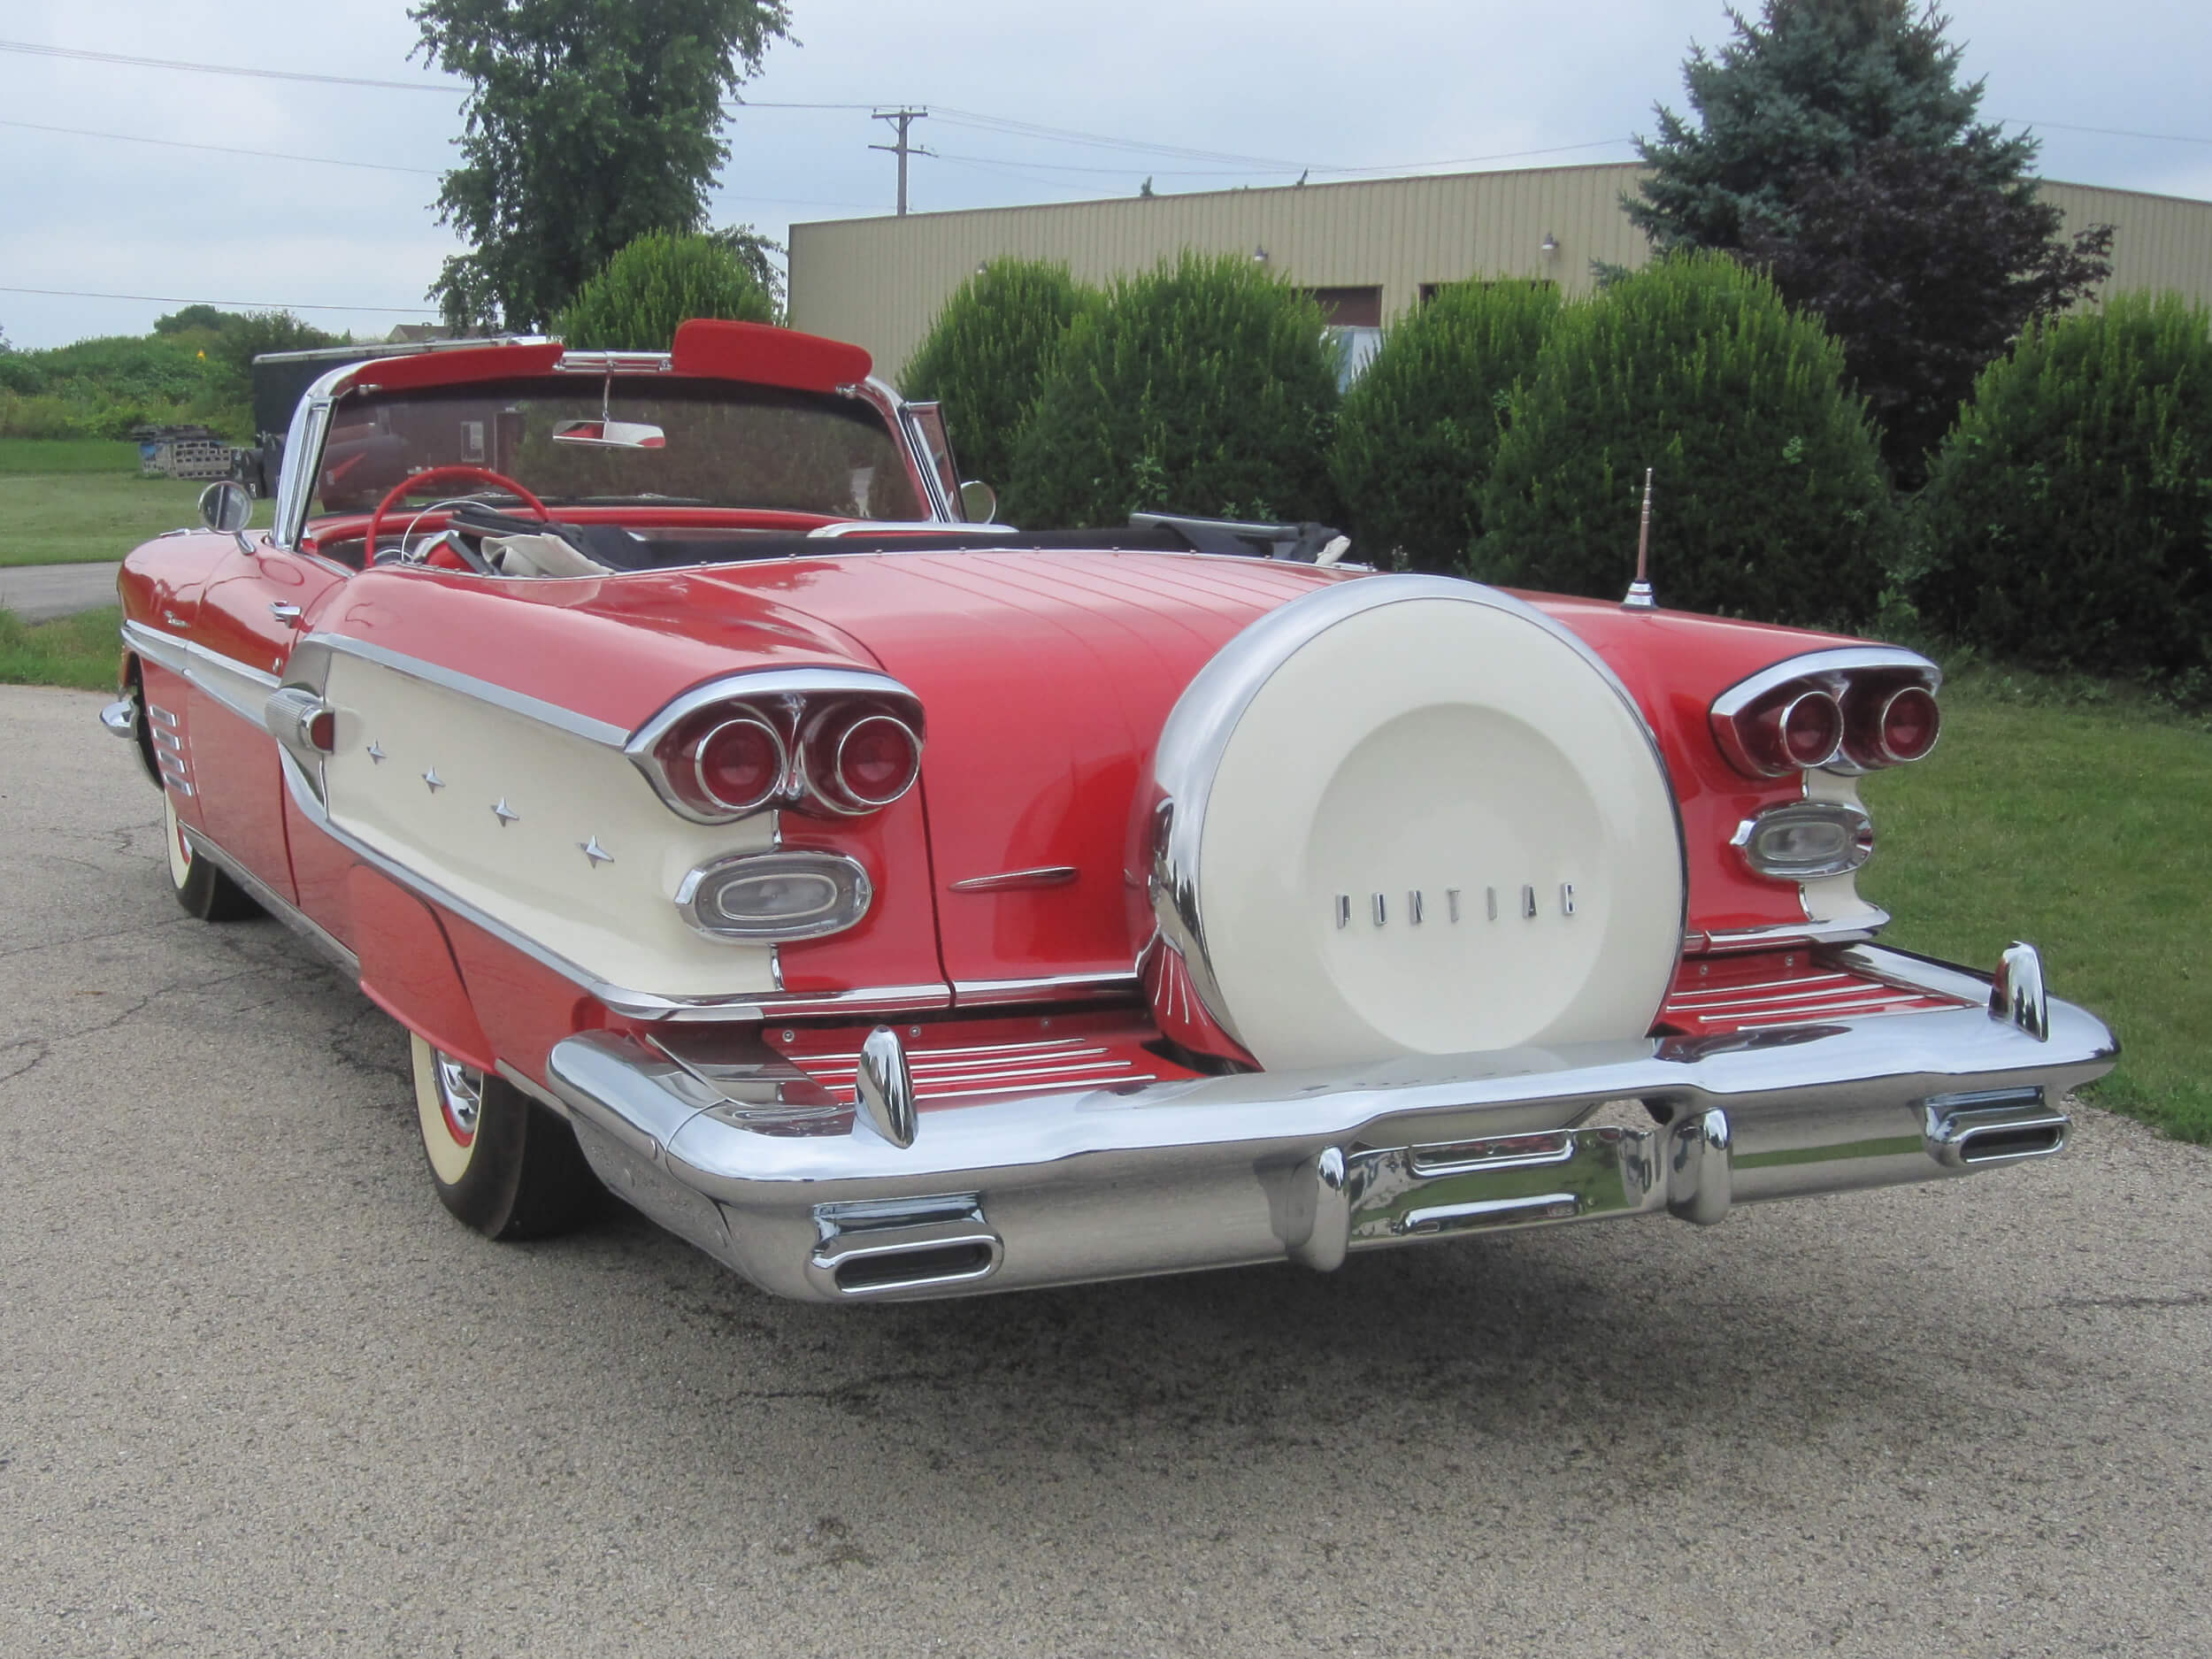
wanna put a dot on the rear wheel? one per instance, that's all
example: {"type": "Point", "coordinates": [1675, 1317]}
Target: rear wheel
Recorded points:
{"type": "Point", "coordinates": [203, 889]}
{"type": "Point", "coordinates": [500, 1161]}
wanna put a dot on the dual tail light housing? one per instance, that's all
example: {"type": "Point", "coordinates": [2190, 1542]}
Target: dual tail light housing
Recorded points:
{"type": "Point", "coordinates": [1850, 711]}
{"type": "Point", "coordinates": [832, 743]}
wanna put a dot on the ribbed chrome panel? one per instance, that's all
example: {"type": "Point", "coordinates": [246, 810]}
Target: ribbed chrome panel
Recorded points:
{"type": "Point", "coordinates": [1009, 1068]}
{"type": "Point", "coordinates": [1788, 999]}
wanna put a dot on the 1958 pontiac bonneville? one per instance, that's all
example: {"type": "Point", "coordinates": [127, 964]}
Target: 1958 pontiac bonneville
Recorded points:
{"type": "Point", "coordinates": [895, 905]}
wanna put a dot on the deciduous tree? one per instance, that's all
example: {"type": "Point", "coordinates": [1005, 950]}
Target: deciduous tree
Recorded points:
{"type": "Point", "coordinates": [591, 122]}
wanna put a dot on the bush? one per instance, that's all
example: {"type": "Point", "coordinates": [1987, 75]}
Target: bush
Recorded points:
{"type": "Point", "coordinates": [987, 356]}
{"type": "Point", "coordinates": [101, 389]}
{"type": "Point", "coordinates": [2068, 522]}
{"type": "Point", "coordinates": [1418, 431]}
{"type": "Point", "coordinates": [657, 281]}
{"type": "Point", "coordinates": [1204, 387]}
{"type": "Point", "coordinates": [1770, 499]}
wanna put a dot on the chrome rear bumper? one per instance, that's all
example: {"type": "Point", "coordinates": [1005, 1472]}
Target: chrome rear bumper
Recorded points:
{"type": "Point", "coordinates": [827, 1200]}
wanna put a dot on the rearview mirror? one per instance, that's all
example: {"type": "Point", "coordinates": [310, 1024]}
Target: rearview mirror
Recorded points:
{"type": "Point", "coordinates": [611, 435]}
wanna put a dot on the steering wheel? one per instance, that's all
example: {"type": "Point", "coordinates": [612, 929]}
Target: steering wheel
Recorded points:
{"type": "Point", "coordinates": [482, 474]}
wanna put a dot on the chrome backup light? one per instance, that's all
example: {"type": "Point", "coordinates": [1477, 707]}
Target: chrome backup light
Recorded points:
{"type": "Point", "coordinates": [775, 896]}
{"type": "Point", "coordinates": [1806, 841]}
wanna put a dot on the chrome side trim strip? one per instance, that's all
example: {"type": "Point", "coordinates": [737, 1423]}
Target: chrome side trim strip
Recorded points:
{"type": "Point", "coordinates": [1051, 987]}
{"type": "Point", "coordinates": [240, 689]}
{"type": "Point", "coordinates": [1012, 880]}
{"type": "Point", "coordinates": [1786, 933]}
{"type": "Point", "coordinates": [530, 708]}
{"type": "Point", "coordinates": [278, 906]}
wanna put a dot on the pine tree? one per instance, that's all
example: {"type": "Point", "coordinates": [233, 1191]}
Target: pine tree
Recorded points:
{"type": "Point", "coordinates": [1836, 147]}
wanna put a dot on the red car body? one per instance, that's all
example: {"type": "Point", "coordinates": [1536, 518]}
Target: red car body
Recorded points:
{"type": "Point", "coordinates": [1005, 1063]}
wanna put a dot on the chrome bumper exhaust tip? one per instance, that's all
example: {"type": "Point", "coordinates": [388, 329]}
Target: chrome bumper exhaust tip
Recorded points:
{"type": "Point", "coordinates": [902, 1247]}
{"type": "Point", "coordinates": [1994, 1126]}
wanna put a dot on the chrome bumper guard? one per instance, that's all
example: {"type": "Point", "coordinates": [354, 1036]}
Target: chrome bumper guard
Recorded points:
{"type": "Point", "coordinates": [809, 1197]}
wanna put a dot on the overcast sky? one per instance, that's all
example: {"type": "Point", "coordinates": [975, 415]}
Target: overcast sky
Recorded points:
{"type": "Point", "coordinates": [1261, 90]}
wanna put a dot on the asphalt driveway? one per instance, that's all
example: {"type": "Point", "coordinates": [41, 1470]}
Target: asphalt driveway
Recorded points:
{"type": "Point", "coordinates": [38, 593]}
{"type": "Point", "coordinates": [258, 1394]}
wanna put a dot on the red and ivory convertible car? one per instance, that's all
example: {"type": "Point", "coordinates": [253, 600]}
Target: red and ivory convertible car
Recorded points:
{"type": "Point", "coordinates": [895, 905]}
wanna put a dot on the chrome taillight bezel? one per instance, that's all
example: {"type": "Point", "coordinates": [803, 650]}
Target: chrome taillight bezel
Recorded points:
{"type": "Point", "coordinates": [823, 754]}
{"type": "Point", "coordinates": [702, 894]}
{"type": "Point", "coordinates": [696, 763]}
{"type": "Point", "coordinates": [792, 703]}
{"type": "Point", "coordinates": [1863, 681]}
{"type": "Point", "coordinates": [1853, 828]}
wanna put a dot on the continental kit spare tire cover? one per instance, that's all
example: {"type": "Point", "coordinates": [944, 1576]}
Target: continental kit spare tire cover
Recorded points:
{"type": "Point", "coordinates": [1409, 815]}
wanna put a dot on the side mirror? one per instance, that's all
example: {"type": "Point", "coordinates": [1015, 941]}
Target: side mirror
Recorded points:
{"type": "Point", "coordinates": [978, 502]}
{"type": "Point", "coordinates": [225, 506]}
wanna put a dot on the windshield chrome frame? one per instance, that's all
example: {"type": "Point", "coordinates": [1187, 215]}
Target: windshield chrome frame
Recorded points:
{"type": "Point", "coordinates": [310, 431]}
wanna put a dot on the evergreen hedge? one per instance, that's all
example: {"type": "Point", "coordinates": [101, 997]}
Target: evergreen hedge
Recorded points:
{"type": "Point", "coordinates": [1418, 431]}
{"type": "Point", "coordinates": [658, 281]}
{"type": "Point", "coordinates": [986, 356]}
{"type": "Point", "coordinates": [1770, 498]}
{"type": "Point", "coordinates": [2068, 522]}
{"type": "Point", "coordinates": [1202, 387]}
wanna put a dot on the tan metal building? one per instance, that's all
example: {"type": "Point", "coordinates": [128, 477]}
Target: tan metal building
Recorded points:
{"type": "Point", "coordinates": [1368, 248]}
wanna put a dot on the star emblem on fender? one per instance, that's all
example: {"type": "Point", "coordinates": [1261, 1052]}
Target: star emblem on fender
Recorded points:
{"type": "Point", "coordinates": [595, 852]}
{"type": "Point", "coordinates": [435, 782]}
{"type": "Point", "coordinates": [504, 813]}
{"type": "Point", "coordinates": [375, 752]}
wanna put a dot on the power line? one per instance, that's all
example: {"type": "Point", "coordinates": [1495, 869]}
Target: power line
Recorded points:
{"type": "Point", "coordinates": [220, 149]}
{"type": "Point", "coordinates": [82, 55]}
{"type": "Point", "coordinates": [244, 305]}
{"type": "Point", "coordinates": [2115, 131]}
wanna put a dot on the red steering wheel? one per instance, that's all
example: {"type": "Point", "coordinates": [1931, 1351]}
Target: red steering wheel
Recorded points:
{"type": "Point", "coordinates": [482, 474]}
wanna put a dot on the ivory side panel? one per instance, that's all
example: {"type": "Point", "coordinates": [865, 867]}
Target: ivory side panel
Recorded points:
{"type": "Point", "coordinates": [618, 920]}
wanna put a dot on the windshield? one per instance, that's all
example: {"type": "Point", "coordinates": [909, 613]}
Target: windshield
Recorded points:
{"type": "Point", "coordinates": [721, 445]}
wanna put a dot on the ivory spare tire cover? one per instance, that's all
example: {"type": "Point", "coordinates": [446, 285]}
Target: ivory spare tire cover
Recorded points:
{"type": "Point", "coordinates": [1408, 815]}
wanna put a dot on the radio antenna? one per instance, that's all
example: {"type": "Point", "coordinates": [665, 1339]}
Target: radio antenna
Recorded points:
{"type": "Point", "coordinates": [1639, 594]}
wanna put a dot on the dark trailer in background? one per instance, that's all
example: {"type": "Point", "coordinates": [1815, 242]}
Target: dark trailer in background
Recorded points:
{"type": "Point", "coordinates": [280, 378]}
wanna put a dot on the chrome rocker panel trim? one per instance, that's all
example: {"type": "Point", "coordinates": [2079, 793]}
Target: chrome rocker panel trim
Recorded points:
{"type": "Point", "coordinates": [751, 1159]}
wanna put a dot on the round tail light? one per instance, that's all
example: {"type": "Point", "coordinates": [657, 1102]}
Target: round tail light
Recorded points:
{"type": "Point", "coordinates": [724, 762]}
{"type": "Point", "coordinates": [1811, 729]}
{"type": "Point", "coordinates": [1911, 723]}
{"type": "Point", "coordinates": [866, 762]}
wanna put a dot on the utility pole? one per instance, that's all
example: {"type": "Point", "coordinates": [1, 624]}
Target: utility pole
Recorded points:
{"type": "Point", "coordinates": [901, 150]}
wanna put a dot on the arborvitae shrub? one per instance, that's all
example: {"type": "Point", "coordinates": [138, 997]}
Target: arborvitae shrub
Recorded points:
{"type": "Point", "coordinates": [2068, 519]}
{"type": "Point", "coordinates": [987, 354]}
{"type": "Point", "coordinates": [1770, 498]}
{"type": "Point", "coordinates": [1419, 429]}
{"type": "Point", "coordinates": [657, 281]}
{"type": "Point", "coordinates": [1204, 387]}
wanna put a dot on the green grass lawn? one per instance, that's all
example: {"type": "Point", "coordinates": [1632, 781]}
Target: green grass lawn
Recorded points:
{"type": "Point", "coordinates": [67, 455]}
{"type": "Point", "coordinates": [81, 650]}
{"type": "Point", "coordinates": [65, 517]}
{"type": "Point", "coordinates": [2079, 827]}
